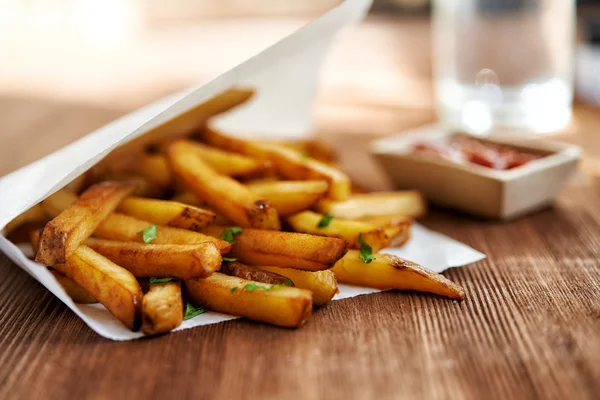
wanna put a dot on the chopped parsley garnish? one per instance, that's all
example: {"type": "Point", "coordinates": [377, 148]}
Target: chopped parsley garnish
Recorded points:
{"type": "Point", "coordinates": [229, 233]}
{"type": "Point", "coordinates": [148, 234]}
{"type": "Point", "coordinates": [324, 222]}
{"type": "Point", "coordinates": [229, 259]}
{"type": "Point", "coordinates": [288, 282]}
{"type": "Point", "coordinates": [191, 311]}
{"type": "Point", "coordinates": [233, 289]}
{"type": "Point", "coordinates": [366, 252]}
{"type": "Point", "coordinates": [160, 280]}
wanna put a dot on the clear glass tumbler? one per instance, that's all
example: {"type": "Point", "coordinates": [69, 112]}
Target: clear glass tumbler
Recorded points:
{"type": "Point", "coordinates": [504, 64]}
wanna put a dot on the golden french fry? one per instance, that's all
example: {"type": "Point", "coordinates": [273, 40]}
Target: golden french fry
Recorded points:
{"type": "Point", "coordinates": [188, 198]}
{"type": "Point", "coordinates": [226, 195]}
{"type": "Point", "coordinates": [34, 214]}
{"type": "Point", "coordinates": [34, 239]}
{"type": "Point", "coordinates": [164, 212]}
{"type": "Point", "coordinates": [322, 284]}
{"type": "Point", "coordinates": [253, 274]}
{"type": "Point", "coordinates": [76, 292]}
{"type": "Point", "coordinates": [290, 197]}
{"type": "Point", "coordinates": [275, 304]}
{"type": "Point", "coordinates": [58, 202]}
{"type": "Point", "coordinates": [396, 227]}
{"type": "Point", "coordinates": [283, 249]}
{"type": "Point", "coordinates": [308, 222]}
{"type": "Point", "coordinates": [391, 272]}
{"type": "Point", "coordinates": [228, 163]}
{"type": "Point", "coordinates": [160, 260]}
{"type": "Point", "coordinates": [313, 148]}
{"type": "Point", "coordinates": [124, 228]}
{"type": "Point", "coordinates": [155, 168]}
{"type": "Point", "coordinates": [162, 308]}
{"type": "Point", "coordinates": [114, 287]}
{"type": "Point", "coordinates": [409, 203]}
{"type": "Point", "coordinates": [287, 162]}
{"type": "Point", "coordinates": [69, 229]}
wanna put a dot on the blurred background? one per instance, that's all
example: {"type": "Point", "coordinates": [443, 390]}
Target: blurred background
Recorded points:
{"type": "Point", "coordinates": [69, 66]}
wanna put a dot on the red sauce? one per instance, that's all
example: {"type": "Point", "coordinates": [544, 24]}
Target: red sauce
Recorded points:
{"type": "Point", "coordinates": [461, 148]}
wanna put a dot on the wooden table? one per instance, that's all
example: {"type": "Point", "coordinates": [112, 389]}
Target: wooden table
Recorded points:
{"type": "Point", "coordinates": [529, 327]}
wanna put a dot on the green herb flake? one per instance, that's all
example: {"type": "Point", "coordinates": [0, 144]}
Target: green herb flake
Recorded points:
{"type": "Point", "coordinates": [233, 289]}
{"type": "Point", "coordinates": [148, 234]}
{"type": "Point", "coordinates": [288, 282]}
{"type": "Point", "coordinates": [191, 311]}
{"type": "Point", "coordinates": [366, 253]}
{"type": "Point", "coordinates": [228, 234]}
{"type": "Point", "coordinates": [324, 222]}
{"type": "Point", "coordinates": [160, 280]}
{"type": "Point", "coordinates": [229, 259]}
{"type": "Point", "coordinates": [251, 287]}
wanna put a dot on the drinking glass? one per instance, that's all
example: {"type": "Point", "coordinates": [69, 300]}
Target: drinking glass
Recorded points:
{"type": "Point", "coordinates": [504, 64]}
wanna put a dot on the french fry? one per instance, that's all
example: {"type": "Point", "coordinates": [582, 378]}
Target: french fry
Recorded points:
{"type": "Point", "coordinates": [188, 198]}
{"type": "Point", "coordinates": [69, 229]}
{"type": "Point", "coordinates": [290, 197]}
{"type": "Point", "coordinates": [58, 202]}
{"type": "Point", "coordinates": [160, 260]}
{"type": "Point", "coordinates": [75, 292]}
{"type": "Point", "coordinates": [287, 162]}
{"type": "Point", "coordinates": [322, 284]}
{"type": "Point", "coordinates": [155, 168]}
{"type": "Point", "coordinates": [34, 214]}
{"type": "Point", "coordinates": [391, 272]}
{"type": "Point", "coordinates": [283, 249]}
{"type": "Point", "coordinates": [164, 212]}
{"type": "Point", "coordinates": [34, 239]}
{"type": "Point", "coordinates": [279, 305]}
{"type": "Point", "coordinates": [226, 195]}
{"type": "Point", "coordinates": [254, 274]}
{"type": "Point", "coordinates": [162, 308]}
{"type": "Point", "coordinates": [114, 287]}
{"type": "Point", "coordinates": [409, 203]}
{"type": "Point", "coordinates": [228, 163]}
{"type": "Point", "coordinates": [123, 228]}
{"type": "Point", "coordinates": [396, 227]}
{"type": "Point", "coordinates": [308, 222]}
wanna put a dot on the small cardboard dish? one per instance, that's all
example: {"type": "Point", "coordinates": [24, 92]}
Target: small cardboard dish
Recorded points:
{"type": "Point", "coordinates": [472, 188]}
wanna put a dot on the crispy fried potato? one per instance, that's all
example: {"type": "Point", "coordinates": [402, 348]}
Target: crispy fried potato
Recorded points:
{"type": "Point", "coordinates": [114, 287]}
{"type": "Point", "coordinates": [69, 229]}
{"type": "Point", "coordinates": [162, 308]}
{"type": "Point", "coordinates": [188, 198]}
{"type": "Point", "coordinates": [164, 212]}
{"type": "Point", "coordinates": [290, 197]}
{"type": "Point", "coordinates": [226, 195]}
{"type": "Point", "coordinates": [124, 228]}
{"type": "Point", "coordinates": [316, 149]}
{"type": "Point", "coordinates": [160, 260]}
{"type": "Point", "coordinates": [253, 274]}
{"type": "Point", "coordinates": [34, 239]}
{"type": "Point", "coordinates": [155, 168]}
{"type": "Point", "coordinates": [228, 163]}
{"type": "Point", "coordinates": [391, 272]}
{"type": "Point", "coordinates": [322, 284]}
{"type": "Point", "coordinates": [396, 227]}
{"type": "Point", "coordinates": [275, 304]}
{"type": "Point", "coordinates": [283, 249]}
{"type": "Point", "coordinates": [34, 214]}
{"type": "Point", "coordinates": [308, 222]}
{"type": "Point", "coordinates": [58, 202]}
{"type": "Point", "coordinates": [409, 203]}
{"type": "Point", "coordinates": [287, 162]}
{"type": "Point", "coordinates": [76, 292]}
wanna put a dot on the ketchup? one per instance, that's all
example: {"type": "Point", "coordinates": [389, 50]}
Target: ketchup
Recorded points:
{"type": "Point", "coordinates": [461, 148]}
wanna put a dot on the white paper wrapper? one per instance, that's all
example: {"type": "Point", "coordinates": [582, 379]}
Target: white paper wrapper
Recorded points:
{"type": "Point", "coordinates": [285, 79]}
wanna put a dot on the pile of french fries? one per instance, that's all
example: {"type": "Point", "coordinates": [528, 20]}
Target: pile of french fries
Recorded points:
{"type": "Point", "coordinates": [255, 229]}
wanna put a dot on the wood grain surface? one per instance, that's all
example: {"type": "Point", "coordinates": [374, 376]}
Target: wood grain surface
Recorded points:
{"type": "Point", "coordinates": [528, 329]}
